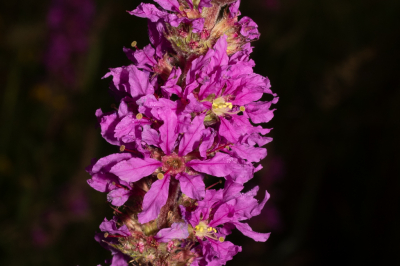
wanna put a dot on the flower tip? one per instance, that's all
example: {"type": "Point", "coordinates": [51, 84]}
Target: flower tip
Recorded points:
{"type": "Point", "coordinates": [160, 176]}
{"type": "Point", "coordinates": [122, 148]}
{"type": "Point", "coordinates": [139, 116]}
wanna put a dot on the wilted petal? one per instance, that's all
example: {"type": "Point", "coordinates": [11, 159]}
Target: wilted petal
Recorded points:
{"type": "Point", "coordinates": [111, 227]}
{"type": "Point", "coordinates": [154, 200]}
{"type": "Point", "coordinates": [119, 196]}
{"type": "Point", "coordinates": [177, 231]}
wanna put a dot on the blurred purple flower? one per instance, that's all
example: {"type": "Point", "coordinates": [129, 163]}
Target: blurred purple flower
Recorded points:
{"type": "Point", "coordinates": [69, 23]}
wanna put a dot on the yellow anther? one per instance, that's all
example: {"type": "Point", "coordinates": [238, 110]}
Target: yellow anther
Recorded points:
{"type": "Point", "coordinates": [209, 229]}
{"type": "Point", "coordinates": [242, 108]}
{"type": "Point", "coordinates": [139, 116]}
{"type": "Point", "coordinates": [134, 43]}
{"type": "Point", "coordinates": [215, 230]}
{"type": "Point", "coordinates": [160, 176]}
{"type": "Point", "coordinates": [105, 235]}
{"type": "Point", "coordinates": [201, 229]}
{"type": "Point", "coordinates": [122, 148]}
{"type": "Point", "coordinates": [181, 8]}
{"type": "Point", "coordinates": [196, 227]}
{"type": "Point", "coordinates": [221, 239]}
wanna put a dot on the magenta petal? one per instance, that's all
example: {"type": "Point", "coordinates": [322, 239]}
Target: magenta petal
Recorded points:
{"type": "Point", "coordinates": [171, 5]}
{"type": "Point", "coordinates": [154, 199]}
{"type": "Point", "coordinates": [119, 259]}
{"type": "Point", "coordinates": [118, 196]}
{"type": "Point", "coordinates": [257, 210]}
{"type": "Point", "coordinates": [225, 250]}
{"type": "Point", "coordinates": [107, 123]}
{"type": "Point", "coordinates": [227, 130]}
{"type": "Point", "coordinates": [207, 141]}
{"type": "Point", "coordinates": [192, 137]}
{"type": "Point", "coordinates": [177, 231]}
{"type": "Point", "coordinates": [192, 186]}
{"type": "Point", "coordinates": [168, 129]}
{"type": "Point", "coordinates": [220, 165]}
{"type": "Point", "coordinates": [111, 227]}
{"type": "Point", "coordinates": [149, 11]}
{"type": "Point", "coordinates": [130, 80]}
{"type": "Point", "coordinates": [135, 169]}
{"type": "Point", "coordinates": [170, 86]}
{"type": "Point", "coordinates": [150, 136]}
{"type": "Point", "coordinates": [260, 112]}
{"type": "Point", "coordinates": [194, 105]}
{"type": "Point", "coordinates": [251, 154]}
{"type": "Point", "coordinates": [224, 214]}
{"type": "Point", "coordinates": [247, 231]}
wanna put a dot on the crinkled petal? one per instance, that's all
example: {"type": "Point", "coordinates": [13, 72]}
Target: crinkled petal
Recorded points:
{"type": "Point", "coordinates": [227, 130]}
{"type": "Point", "coordinates": [168, 130]}
{"type": "Point", "coordinates": [177, 231]}
{"type": "Point", "coordinates": [247, 231]}
{"type": "Point", "coordinates": [220, 165]}
{"type": "Point", "coordinates": [260, 112]}
{"type": "Point", "coordinates": [171, 5]}
{"type": "Point", "coordinates": [154, 200]}
{"type": "Point", "coordinates": [207, 141]}
{"type": "Point", "coordinates": [119, 196]}
{"type": "Point", "coordinates": [170, 86]}
{"type": "Point", "coordinates": [192, 186]}
{"type": "Point", "coordinates": [149, 11]}
{"type": "Point", "coordinates": [111, 228]}
{"type": "Point", "coordinates": [135, 169]}
{"type": "Point", "coordinates": [224, 214]}
{"type": "Point", "coordinates": [249, 28]}
{"type": "Point", "coordinates": [191, 138]}
{"type": "Point", "coordinates": [151, 136]}
{"type": "Point", "coordinates": [251, 154]}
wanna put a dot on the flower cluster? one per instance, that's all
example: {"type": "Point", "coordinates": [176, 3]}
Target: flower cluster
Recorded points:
{"type": "Point", "coordinates": [188, 105]}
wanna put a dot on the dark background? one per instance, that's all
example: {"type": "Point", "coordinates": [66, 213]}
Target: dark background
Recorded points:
{"type": "Point", "coordinates": [332, 169]}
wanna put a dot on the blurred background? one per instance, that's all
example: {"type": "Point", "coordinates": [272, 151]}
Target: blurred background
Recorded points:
{"type": "Point", "coordinates": [332, 169]}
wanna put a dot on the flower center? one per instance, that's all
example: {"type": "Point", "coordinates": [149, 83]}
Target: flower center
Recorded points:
{"type": "Point", "coordinates": [173, 164]}
{"type": "Point", "coordinates": [203, 230]}
{"type": "Point", "coordinates": [221, 107]}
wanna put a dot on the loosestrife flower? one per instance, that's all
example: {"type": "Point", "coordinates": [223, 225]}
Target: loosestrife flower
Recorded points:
{"type": "Point", "coordinates": [188, 108]}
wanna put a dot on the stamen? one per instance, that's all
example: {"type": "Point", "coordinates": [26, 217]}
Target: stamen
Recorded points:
{"type": "Point", "coordinates": [221, 239]}
{"type": "Point", "coordinates": [160, 176]}
{"type": "Point", "coordinates": [219, 182]}
{"type": "Point", "coordinates": [139, 116]}
{"type": "Point", "coordinates": [242, 108]}
{"type": "Point", "coordinates": [133, 44]}
{"type": "Point", "coordinates": [122, 148]}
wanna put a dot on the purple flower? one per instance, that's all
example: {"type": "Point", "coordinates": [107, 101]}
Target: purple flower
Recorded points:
{"type": "Point", "coordinates": [187, 109]}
